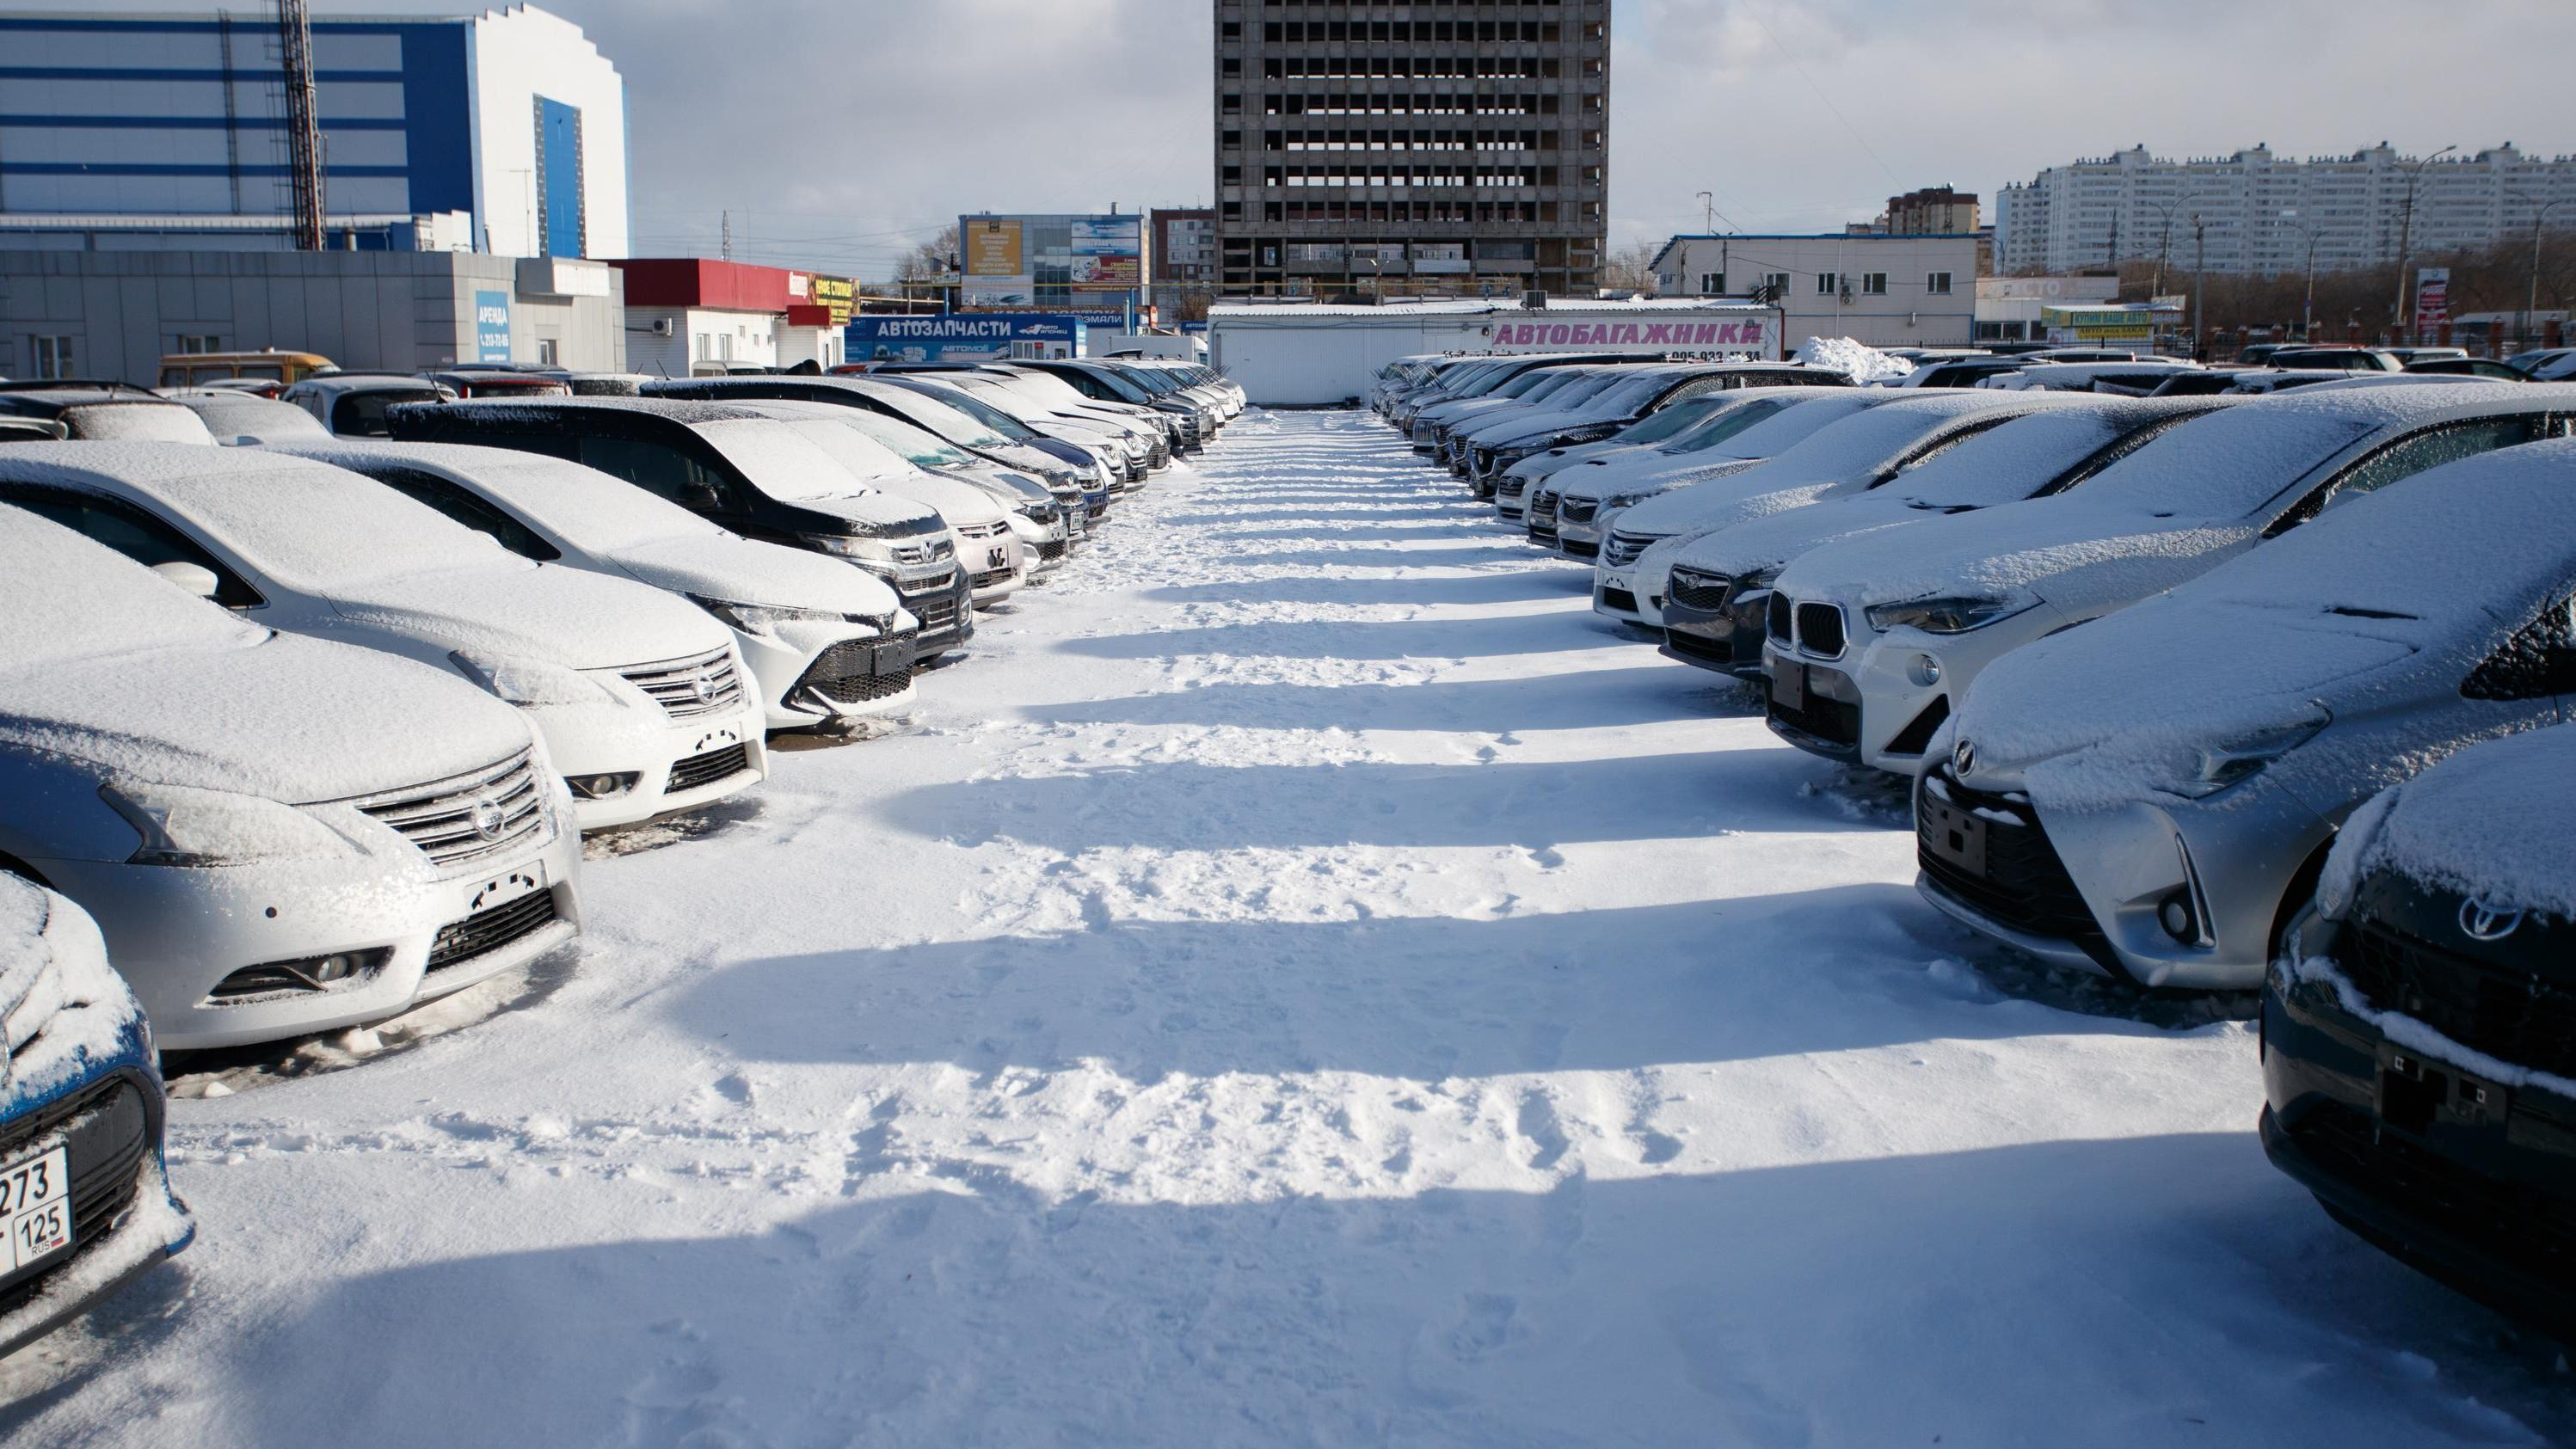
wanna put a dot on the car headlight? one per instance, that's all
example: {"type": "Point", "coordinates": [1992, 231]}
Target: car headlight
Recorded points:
{"type": "Point", "coordinates": [182, 825]}
{"type": "Point", "coordinates": [763, 619]}
{"type": "Point", "coordinates": [1952, 615]}
{"type": "Point", "coordinates": [2236, 761]}
{"type": "Point", "coordinates": [1038, 512]}
{"type": "Point", "coordinates": [527, 682]}
{"type": "Point", "coordinates": [1589, 433]}
{"type": "Point", "coordinates": [850, 545]}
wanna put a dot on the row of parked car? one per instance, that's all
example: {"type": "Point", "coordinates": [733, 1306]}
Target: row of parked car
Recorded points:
{"type": "Point", "coordinates": [305, 704]}
{"type": "Point", "coordinates": [2177, 684]}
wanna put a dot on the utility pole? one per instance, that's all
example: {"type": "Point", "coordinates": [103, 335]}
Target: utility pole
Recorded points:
{"type": "Point", "coordinates": [2539, 214]}
{"type": "Point", "coordinates": [1708, 212]}
{"type": "Point", "coordinates": [725, 246]}
{"type": "Point", "coordinates": [2406, 237]}
{"type": "Point", "coordinates": [2307, 310]}
{"type": "Point", "coordinates": [2199, 288]}
{"type": "Point", "coordinates": [303, 131]}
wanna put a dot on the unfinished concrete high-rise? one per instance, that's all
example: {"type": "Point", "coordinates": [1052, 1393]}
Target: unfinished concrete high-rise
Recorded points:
{"type": "Point", "coordinates": [1431, 148]}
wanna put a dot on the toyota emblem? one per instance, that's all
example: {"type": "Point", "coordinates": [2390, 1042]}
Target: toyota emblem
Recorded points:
{"type": "Point", "coordinates": [1963, 758]}
{"type": "Point", "coordinates": [2482, 922]}
{"type": "Point", "coordinates": [489, 819]}
{"type": "Point", "coordinates": [706, 688]}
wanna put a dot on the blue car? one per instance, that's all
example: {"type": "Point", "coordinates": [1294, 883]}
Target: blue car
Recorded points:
{"type": "Point", "coordinates": [84, 1200]}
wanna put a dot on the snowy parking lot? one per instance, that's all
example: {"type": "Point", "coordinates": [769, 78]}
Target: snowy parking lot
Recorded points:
{"type": "Point", "coordinates": [1300, 978]}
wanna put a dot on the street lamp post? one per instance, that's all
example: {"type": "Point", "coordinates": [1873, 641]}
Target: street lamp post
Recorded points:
{"type": "Point", "coordinates": [2307, 309]}
{"type": "Point", "coordinates": [2199, 287]}
{"type": "Point", "coordinates": [2406, 237]}
{"type": "Point", "coordinates": [2539, 214]}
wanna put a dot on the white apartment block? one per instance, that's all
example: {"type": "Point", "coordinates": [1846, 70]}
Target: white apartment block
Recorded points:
{"type": "Point", "coordinates": [2261, 214]}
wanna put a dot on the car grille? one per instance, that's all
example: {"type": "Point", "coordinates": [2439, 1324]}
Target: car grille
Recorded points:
{"type": "Point", "coordinates": [845, 673]}
{"type": "Point", "coordinates": [2513, 1016]}
{"type": "Point", "coordinates": [932, 601]}
{"type": "Point", "coordinates": [1481, 459]}
{"type": "Point", "coordinates": [989, 578]}
{"type": "Point", "coordinates": [1509, 486]}
{"type": "Point", "coordinates": [1053, 548]}
{"type": "Point", "coordinates": [2025, 884]}
{"type": "Point", "coordinates": [106, 1128]}
{"type": "Point", "coordinates": [1833, 721]}
{"type": "Point", "coordinates": [1578, 510]}
{"type": "Point", "coordinates": [1620, 599]}
{"type": "Point", "coordinates": [686, 688]}
{"type": "Point", "coordinates": [487, 931]}
{"type": "Point", "coordinates": [1626, 548]}
{"type": "Point", "coordinates": [442, 817]}
{"type": "Point", "coordinates": [2448, 1196]}
{"type": "Point", "coordinates": [994, 529]}
{"type": "Point", "coordinates": [1820, 630]}
{"type": "Point", "coordinates": [708, 768]}
{"type": "Point", "coordinates": [1775, 620]}
{"type": "Point", "coordinates": [922, 553]}
{"type": "Point", "coordinates": [1579, 548]}
{"type": "Point", "coordinates": [1695, 590]}
{"type": "Point", "coordinates": [1700, 646]}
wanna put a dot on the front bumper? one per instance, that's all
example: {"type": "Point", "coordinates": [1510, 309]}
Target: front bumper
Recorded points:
{"type": "Point", "coordinates": [125, 1219]}
{"type": "Point", "coordinates": [2401, 1149]}
{"type": "Point", "coordinates": [175, 931]}
{"type": "Point", "coordinates": [676, 763]}
{"type": "Point", "coordinates": [935, 594]}
{"type": "Point", "coordinates": [1723, 632]}
{"type": "Point", "coordinates": [805, 678]}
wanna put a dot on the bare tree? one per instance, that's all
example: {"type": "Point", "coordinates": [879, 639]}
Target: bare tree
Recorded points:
{"type": "Point", "coordinates": [929, 260]}
{"type": "Point", "coordinates": [1630, 268]}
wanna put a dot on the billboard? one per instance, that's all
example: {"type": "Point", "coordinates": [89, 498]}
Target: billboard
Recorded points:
{"type": "Point", "coordinates": [992, 247]}
{"type": "Point", "coordinates": [2432, 298]}
{"type": "Point", "coordinates": [964, 337]}
{"type": "Point", "coordinates": [491, 327]}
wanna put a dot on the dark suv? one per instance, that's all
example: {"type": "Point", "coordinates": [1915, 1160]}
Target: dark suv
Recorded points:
{"type": "Point", "coordinates": [741, 469]}
{"type": "Point", "coordinates": [2419, 1030]}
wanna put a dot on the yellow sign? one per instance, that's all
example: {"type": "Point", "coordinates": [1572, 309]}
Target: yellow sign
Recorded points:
{"type": "Point", "coordinates": [832, 292]}
{"type": "Point", "coordinates": [993, 249]}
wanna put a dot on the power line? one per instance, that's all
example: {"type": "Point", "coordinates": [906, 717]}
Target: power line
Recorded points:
{"type": "Point", "coordinates": [1820, 94]}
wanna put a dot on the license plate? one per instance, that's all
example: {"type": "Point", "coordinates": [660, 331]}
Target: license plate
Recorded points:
{"type": "Point", "coordinates": [501, 890]}
{"type": "Point", "coordinates": [892, 659]}
{"type": "Point", "coordinates": [1952, 834]}
{"type": "Point", "coordinates": [36, 1203]}
{"type": "Point", "coordinates": [1789, 685]}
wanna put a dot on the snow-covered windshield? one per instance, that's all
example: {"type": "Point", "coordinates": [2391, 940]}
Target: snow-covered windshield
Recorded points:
{"type": "Point", "coordinates": [917, 446]}
{"type": "Point", "coordinates": [779, 461]}
{"type": "Point", "coordinates": [1125, 387]}
{"type": "Point", "coordinates": [2223, 465]}
{"type": "Point", "coordinates": [319, 530]}
{"type": "Point", "coordinates": [1856, 445]}
{"type": "Point", "coordinates": [1657, 427]}
{"type": "Point", "coordinates": [63, 597]}
{"type": "Point", "coordinates": [1049, 389]}
{"type": "Point", "coordinates": [1727, 414]}
{"type": "Point", "coordinates": [1777, 432]}
{"type": "Point", "coordinates": [2014, 459]}
{"type": "Point", "coordinates": [979, 423]}
{"type": "Point", "coordinates": [867, 460]}
{"type": "Point", "coordinates": [1631, 392]}
{"type": "Point", "coordinates": [596, 510]}
{"type": "Point", "coordinates": [1578, 389]}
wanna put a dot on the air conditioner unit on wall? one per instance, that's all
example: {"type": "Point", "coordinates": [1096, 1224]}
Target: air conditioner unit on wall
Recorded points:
{"type": "Point", "coordinates": [663, 327]}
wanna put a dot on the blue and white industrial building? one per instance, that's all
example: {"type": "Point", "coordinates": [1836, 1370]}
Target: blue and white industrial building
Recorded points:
{"type": "Point", "coordinates": [502, 132]}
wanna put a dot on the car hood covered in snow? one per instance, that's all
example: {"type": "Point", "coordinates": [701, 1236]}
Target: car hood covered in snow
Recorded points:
{"type": "Point", "coordinates": [560, 615]}
{"type": "Point", "coordinates": [748, 571]}
{"type": "Point", "coordinates": [2497, 822]}
{"type": "Point", "coordinates": [2332, 620]}
{"type": "Point", "coordinates": [104, 661]}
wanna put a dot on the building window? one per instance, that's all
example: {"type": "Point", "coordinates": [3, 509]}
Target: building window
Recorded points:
{"type": "Point", "coordinates": [546, 352]}
{"type": "Point", "coordinates": [193, 343]}
{"type": "Point", "coordinates": [1828, 283]}
{"type": "Point", "coordinates": [1775, 285]}
{"type": "Point", "coordinates": [1937, 284]}
{"type": "Point", "coordinates": [49, 357]}
{"type": "Point", "coordinates": [1712, 284]}
{"type": "Point", "coordinates": [1873, 284]}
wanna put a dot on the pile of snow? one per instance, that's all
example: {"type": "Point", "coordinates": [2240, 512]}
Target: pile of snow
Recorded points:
{"type": "Point", "coordinates": [1864, 362]}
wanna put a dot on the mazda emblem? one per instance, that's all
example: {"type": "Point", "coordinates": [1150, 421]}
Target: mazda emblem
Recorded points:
{"type": "Point", "coordinates": [2482, 922]}
{"type": "Point", "coordinates": [489, 818]}
{"type": "Point", "coordinates": [1963, 758]}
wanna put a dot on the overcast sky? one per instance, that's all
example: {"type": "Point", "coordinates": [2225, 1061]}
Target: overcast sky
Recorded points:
{"type": "Point", "coordinates": [838, 132]}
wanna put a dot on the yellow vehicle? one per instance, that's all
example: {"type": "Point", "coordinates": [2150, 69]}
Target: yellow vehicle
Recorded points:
{"type": "Point", "coordinates": [269, 365]}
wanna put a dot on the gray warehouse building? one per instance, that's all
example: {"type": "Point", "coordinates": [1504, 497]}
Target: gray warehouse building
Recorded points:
{"type": "Point", "coordinates": [1450, 149]}
{"type": "Point", "coordinates": [115, 314]}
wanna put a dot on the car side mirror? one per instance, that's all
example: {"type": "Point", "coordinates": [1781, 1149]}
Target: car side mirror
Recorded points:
{"type": "Point", "coordinates": [195, 578]}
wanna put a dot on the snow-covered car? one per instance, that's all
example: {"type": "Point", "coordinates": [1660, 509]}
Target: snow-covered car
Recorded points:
{"type": "Point", "coordinates": [239, 419]}
{"type": "Point", "coordinates": [1867, 636]}
{"type": "Point", "coordinates": [1717, 592]}
{"type": "Point", "coordinates": [1144, 446]}
{"type": "Point", "coordinates": [1074, 385]}
{"type": "Point", "coordinates": [1651, 434]}
{"type": "Point", "coordinates": [1001, 530]}
{"type": "Point", "coordinates": [743, 471]}
{"type": "Point", "coordinates": [278, 834]}
{"type": "Point", "coordinates": [640, 697]}
{"type": "Point", "coordinates": [1486, 450]}
{"type": "Point", "coordinates": [1575, 511]}
{"type": "Point", "coordinates": [2547, 364]}
{"type": "Point", "coordinates": [2152, 795]}
{"type": "Point", "coordinates": [822, 641]}
{"type": "Point", "coordinates": [1080, 475]}
{"type": "Point", "coordinates": [1704, 450]}
{"type": "Point", "coordinates": [1459, 379]}
{"type": "Point", "coordinates": [2418, 1072]}
{"type": "Point", "coordinates": [84, 1199]}
{"type": "Point", "coordinates": [354, 404]}
{"type": "Point", "coordinates": [1050, 531]}
{"type": "Point", "coordinates": [103, 412]}
{"type": "Point", "coordinates": [2131, 378]}
{"type": "Point", "coordinates": [1852, 452]}
{"type": "Point", "coordinates": [948, 424]}
{"type": "Point", "coordinates": [1506, 384]}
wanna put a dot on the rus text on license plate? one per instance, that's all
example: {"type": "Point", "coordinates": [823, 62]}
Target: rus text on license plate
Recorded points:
{"type": "Point", "coordinates": [36, 1203]}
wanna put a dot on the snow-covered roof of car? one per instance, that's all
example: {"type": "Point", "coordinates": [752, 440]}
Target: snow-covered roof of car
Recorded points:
{"type": "Point", "coordinates": [2497, 821]}
{"type": "Point", "coordinates": [2249, 644]}
{"type": "Point", "coordinates": [681, 410]}
{"type": "Point", "coordinates": [308, 525]}
{"type": "Point", "coordinates": [595, 508]}
{"type": "Point", "coordinates": [234, 417]}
